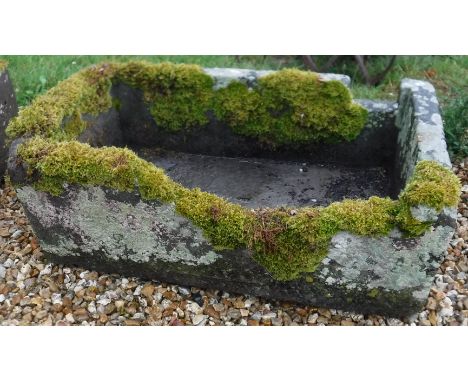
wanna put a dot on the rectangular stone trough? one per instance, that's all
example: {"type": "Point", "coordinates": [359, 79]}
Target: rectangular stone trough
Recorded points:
{"type": "Point", "coordinates": [251, 211]}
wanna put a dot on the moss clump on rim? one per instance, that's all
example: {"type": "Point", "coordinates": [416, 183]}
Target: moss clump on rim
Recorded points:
{"type": "Point", "coordinates": [288, 243]}
{"type": "Point", "coordinates": [85, 92]}
{"type": "Point", "coordinates": [224, 223]}
{"type": "Point", "coordinates": [291, 242]}
{"type": "Point", "coordinates": [291, 106]}
{"type": "Point", "coordinates": [79, 163]}
{"type": "Point", "coordinates": [179, 95]}
{"type": "Point", "coordinates": [432, 185]}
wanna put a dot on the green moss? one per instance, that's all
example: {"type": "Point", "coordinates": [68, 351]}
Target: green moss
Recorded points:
{"type": "Point", "coordinates": [291, 106]}
{"type": "Point", "coordinates": [289, 243]}
{"type": "Point", "coordinates": [179, 95]}
{"type": "Point", "coordinates": [223, 223]}
{"type": "Point", "coordinates": [78, 163]}
{"type": "Point", "coordinates": [406, 221]}
{"type": "Point", "coordinates": [432, 185]}
{"type": "Point", "coordinates": [86, 92]}
{"type": "Point", "coordinates": [3, 65]}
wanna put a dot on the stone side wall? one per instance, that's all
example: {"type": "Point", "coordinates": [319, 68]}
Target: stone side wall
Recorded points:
{"type": "Point", "coordinates": [420, 128]}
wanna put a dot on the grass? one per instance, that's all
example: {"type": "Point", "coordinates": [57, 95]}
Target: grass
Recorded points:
{"type": "Point", "coordinates": [32, 75]}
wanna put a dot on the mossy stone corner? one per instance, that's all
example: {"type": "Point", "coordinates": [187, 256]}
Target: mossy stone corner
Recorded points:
{"type": "Point", "coordinates": [309, 253]}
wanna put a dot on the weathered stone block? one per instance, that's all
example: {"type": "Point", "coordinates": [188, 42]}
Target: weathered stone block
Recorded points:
{"type": "Point", "coordinates": [8, 109]}
{"type": "Point", "coordinates": [274, 233]}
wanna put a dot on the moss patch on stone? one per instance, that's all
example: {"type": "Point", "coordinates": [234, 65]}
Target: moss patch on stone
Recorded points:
{"type": "Point", "coordinates": [432, 185]}
{"type": "Point", "coordinates": [291, 106]}
{"type": "Point", "coordinates": [179, 95]}
{"type": "Point", "coordinates": [85, 92]}
{"type": "Point", "coordinates": [77, 163]}
{"type": "Point", "coordinates": [287, 242]}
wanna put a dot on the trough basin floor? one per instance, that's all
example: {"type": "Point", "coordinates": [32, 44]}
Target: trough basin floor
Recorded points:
{"type": "Point", "coordinates": [256, 183]}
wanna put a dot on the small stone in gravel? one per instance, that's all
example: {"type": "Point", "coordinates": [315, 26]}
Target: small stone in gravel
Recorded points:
{"type": "Point", "coordinates": [312, 318]}
{"type": "Point", "coordinates": [431, 304]}
{"type": "Point", "coordinates": [199, 319]}
{"type": "Point", "coordinates": [244, 312]}
{"type": "Point", "coordinates": [16, 234]}
{"type": "Point", "coordinates": [277, 321]}
{"type": "Point", "coordinates": [210, 311]}
{"type": "Point", "coordinates": [148, 290]}
{"type": "Point", "coordinates": [41, 314]}
{"type": "Point", "coordinates": [132, 323]}
{"type": "Point", "coordinates": [324, 312]}
{"type": "Point", "coordinates": [194, 308]}
{"type": "Point", "coordinates": [234, 313]}
{"type": "Point", "coordinates": [104, 301]}
{"type": "Point", "coordinates": [81, 314]}
{"type": "Point", "coordinates": [184, 291]}
{"type": "Point", "coordinates": [269, 315]}
{"type": "Point", "coordinates": [218, 307]}
{"type": "Point", "coordinates": [69, 318]}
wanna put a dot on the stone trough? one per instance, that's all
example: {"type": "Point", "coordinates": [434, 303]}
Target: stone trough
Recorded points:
{"type": "Point", "coordinates": [274, 184]}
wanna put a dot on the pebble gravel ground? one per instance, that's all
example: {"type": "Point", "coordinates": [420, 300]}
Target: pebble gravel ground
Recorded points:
{"type": "Point", "coordinates": [33, 292]}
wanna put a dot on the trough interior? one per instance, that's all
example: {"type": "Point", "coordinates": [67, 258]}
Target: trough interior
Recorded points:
{"type": "Point", "coordinates": [261, 182]}
{"type": "Point", "coordinates": [248, 171]}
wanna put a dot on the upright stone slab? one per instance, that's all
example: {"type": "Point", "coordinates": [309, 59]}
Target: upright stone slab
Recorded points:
{"type": "Point", "coordinates": [8, 109]}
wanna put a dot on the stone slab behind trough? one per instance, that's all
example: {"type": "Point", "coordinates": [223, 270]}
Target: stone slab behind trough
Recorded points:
{"type": "Point", "coordinates": [8, 109]}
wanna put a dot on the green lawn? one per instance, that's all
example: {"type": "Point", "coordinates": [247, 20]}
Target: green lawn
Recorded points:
{"type": "Point", "coordinates": [33, 75]}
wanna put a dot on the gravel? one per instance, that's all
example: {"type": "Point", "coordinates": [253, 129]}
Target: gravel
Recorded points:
{"type": "Point", "coordinates": [33, 292]}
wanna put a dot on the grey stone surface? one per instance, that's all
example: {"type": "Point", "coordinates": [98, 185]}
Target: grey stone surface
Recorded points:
{"type": "Point", "coordinates": [387, 263]}
{"type": "Point", "coordinates": [420, 136]}
{"type": "Point", "coordinates": [420, 129]}
{"type": "Point", "coordinates": [261, 183]}
{"type": "Point", "coordinates": [97, 221]}
{"type": "Point", "coordinates": [8, 109]}
{"type": "Point", "coordinates": [223, 76]}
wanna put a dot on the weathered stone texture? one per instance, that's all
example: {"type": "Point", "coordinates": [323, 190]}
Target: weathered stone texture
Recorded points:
{"type": "Point", "coordinates": [118, 232]}
{"type": "Point", "coordinates": [8, 109]}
